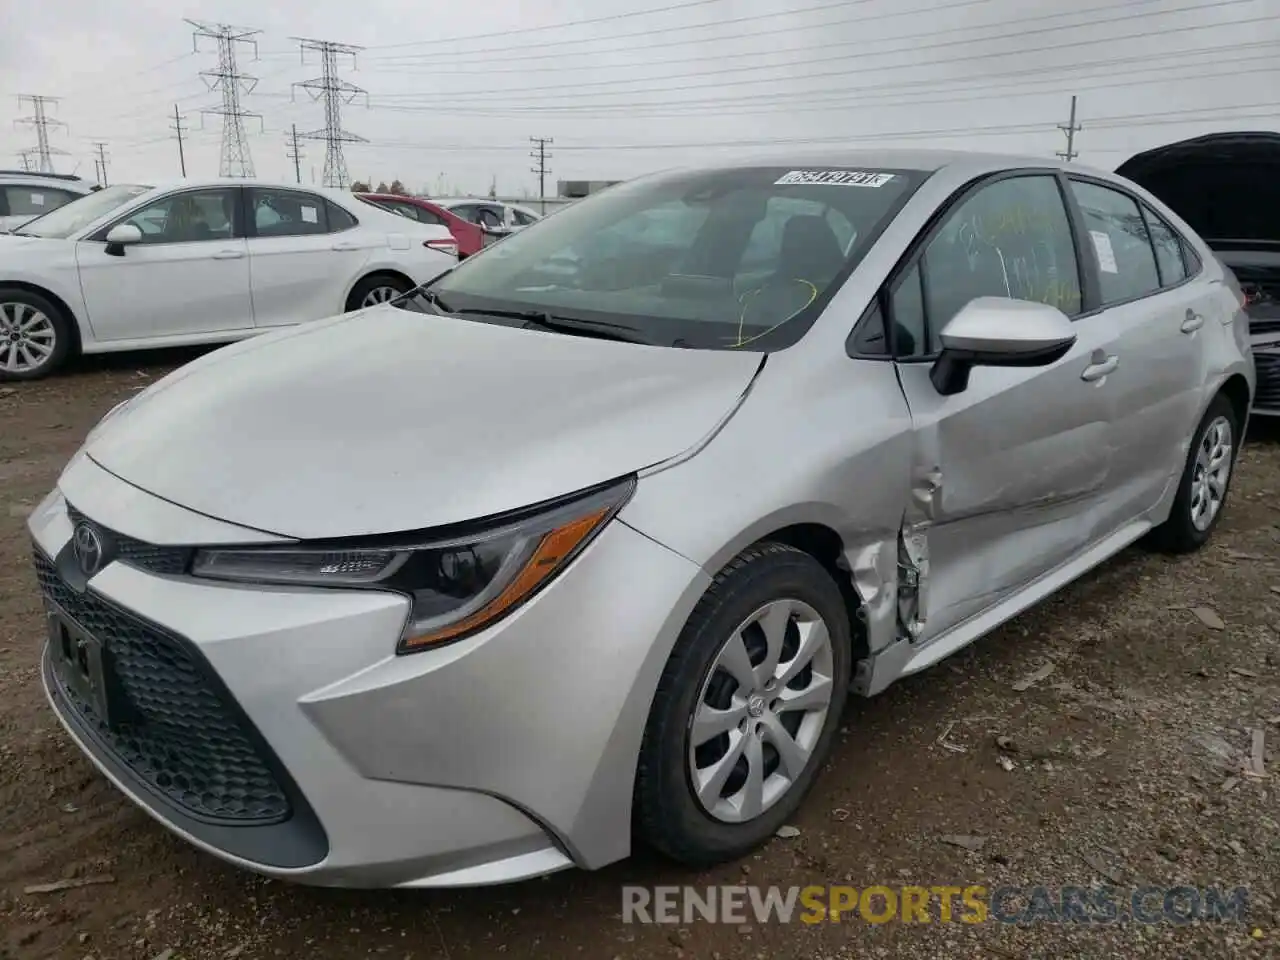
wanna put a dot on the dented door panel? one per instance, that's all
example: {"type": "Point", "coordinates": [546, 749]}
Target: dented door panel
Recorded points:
{"type": "Point", "coordinates": [1009, 479]}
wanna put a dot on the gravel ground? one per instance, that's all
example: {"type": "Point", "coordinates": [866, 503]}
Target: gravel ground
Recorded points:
{"type": "Point", "coordinates": [1124, 764]}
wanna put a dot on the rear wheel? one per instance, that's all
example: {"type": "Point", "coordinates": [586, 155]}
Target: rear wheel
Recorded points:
{"type": "Point", "coordinates": [1205, 482]}
{"type": "Point", "coordinates": [35, 335]}
{"type": "Point", "coordinates": [377, 289]}
{"type": "Point", "coordinates": [746, 708]}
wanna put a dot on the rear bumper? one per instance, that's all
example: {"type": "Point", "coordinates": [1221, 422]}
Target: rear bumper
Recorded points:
{"type": "Point", "coordinates": [1266, 361]}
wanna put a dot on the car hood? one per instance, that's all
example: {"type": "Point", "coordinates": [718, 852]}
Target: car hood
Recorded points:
{"type": "Point", "coordinates": [390, 420]}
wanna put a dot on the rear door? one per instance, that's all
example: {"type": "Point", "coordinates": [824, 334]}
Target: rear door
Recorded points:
{"type": "Point", "coordinates": [1011, 474]}
{"type": "Point", "coordinates": [304, 255]}
{"type": "Point", "coordinates": [1157, 316]}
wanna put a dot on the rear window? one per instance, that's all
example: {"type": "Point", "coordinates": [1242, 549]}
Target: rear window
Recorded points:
{"type": "Point", "coordinates": [743, 258]}
{"type": "Point", "coordinates": [27, 201]}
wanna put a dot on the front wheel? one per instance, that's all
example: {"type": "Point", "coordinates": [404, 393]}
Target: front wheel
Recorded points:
{"type": "Point", "coordinates": [746, 708]}
{"type": "Point", "coordinates": [374, 290]}
{"type": "Point", "coordinates": [1205, 481]}
{"type": "Point", "coordinates": [35, 336]}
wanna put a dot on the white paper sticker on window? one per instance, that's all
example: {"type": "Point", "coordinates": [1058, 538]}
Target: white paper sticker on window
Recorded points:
{"type": "Point", "coordinates": [37, 199]}
{"type": "Point", "coordinates": [837, 178]}
{"type": "Point", "coordinates": [310, 215]}
{"type": "Point", "coordinates": [1106, 256]}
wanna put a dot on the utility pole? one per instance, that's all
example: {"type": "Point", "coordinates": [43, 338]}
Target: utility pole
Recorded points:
{"type": "Point", "coordinates": [100, 163]}
{"type": "Point", "coordinates": [295, 154]}
{"type": "Point", "coordinates": [541, 155]}
{"type": "Point", "coordinates": [227, 78]}
{"type": "Point", "coordinates": [1070, 128]}
{"type": "Point", "coordinates": [177, 128]}
{"type": "Point", "coordinates": [334, 92]}
{"type": "Point", "coordinates": [25, 157]}
{"type": "Point", "coordinates": [39, 119]}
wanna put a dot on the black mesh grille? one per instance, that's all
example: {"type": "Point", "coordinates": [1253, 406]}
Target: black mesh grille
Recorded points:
{"type": "Point", "coordinates": [178, 735]}
{"type": "Point", "coordinates": [148, 556]}
{"type": "Point", "coordinates": [1268, 368]}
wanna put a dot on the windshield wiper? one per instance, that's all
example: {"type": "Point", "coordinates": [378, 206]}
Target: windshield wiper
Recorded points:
{"type": "Point", "coordinates": [544, 320]}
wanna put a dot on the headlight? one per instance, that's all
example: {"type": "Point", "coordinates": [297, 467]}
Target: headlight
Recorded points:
{"type": "Point", "coordinates": [458, 584]}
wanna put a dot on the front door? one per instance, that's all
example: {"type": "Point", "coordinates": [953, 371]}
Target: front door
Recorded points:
{"type": "Point", "coordinates": [188, 277]}
{"type": "Point", "coordinates": [1010, 474]}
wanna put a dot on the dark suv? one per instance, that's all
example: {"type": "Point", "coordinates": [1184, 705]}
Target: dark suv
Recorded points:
{"type": "Point", "coordinates": [1227, 187]}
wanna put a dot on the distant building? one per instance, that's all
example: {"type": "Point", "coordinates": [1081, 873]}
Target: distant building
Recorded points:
{"type": "Point", "coordinates": [575, 189]}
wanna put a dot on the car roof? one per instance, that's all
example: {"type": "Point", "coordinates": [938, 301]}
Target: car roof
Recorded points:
{"type": "Point", "coordinates": [58, 181]}
{"type": "Point", "coordinates": [927, 160]}
{"type": "Point", "coordinates": [190, 182]}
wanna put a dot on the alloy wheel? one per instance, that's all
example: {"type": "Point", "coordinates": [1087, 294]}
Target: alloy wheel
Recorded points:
{"type": "Point", "coordinates": [27, 337]}
{"type": "Point", "coordinates": [761, 711]}
{"type": "Point", "coordinates": [1211, 472]}
{"type": "Point", "coordinates": [377, 295]}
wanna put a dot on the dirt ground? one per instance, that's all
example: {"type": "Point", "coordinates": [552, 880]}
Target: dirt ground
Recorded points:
{"type": "Point", "coordinates": [1124, 765]}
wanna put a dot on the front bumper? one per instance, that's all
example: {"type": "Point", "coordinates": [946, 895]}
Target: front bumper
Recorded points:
{"type": "Point", "coordinates": [506, 755]}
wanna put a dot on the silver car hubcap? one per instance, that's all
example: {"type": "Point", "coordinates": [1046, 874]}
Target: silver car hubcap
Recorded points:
{"type": "Point", "coordinates": [1211, 472]}
{"type": "Point", "coordinates": [761, 711]}
{"type": "Point", "coordinates": [27, 337]}
{"type": "Point", "coordinates": [379, 295]}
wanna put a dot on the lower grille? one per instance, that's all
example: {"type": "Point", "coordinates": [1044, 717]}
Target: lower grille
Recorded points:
{"type": "Point", "coordinates": [1267, 366]}
{"type": "Point", "coordinates": [178, 735]}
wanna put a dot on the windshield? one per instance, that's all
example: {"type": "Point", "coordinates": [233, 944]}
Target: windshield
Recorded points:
{"type": "Point", "coordinates": [79, 213]}
{"type": "Point", "coordinates": [740, 258]}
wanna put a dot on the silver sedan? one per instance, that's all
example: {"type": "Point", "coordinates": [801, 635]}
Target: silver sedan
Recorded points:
{"type": "Point", "coordinates": [591, 538]}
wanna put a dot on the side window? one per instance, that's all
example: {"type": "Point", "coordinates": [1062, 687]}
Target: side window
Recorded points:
{"type": "Point", "coordinates": [1168, 246]}
{"type": "Point", "coordinates": [190, 217]}
{"type": "Point", "coordinates": [489, 216]}
{"type": "Point", "coordinates": [287, 213]}
{"type": "Point", "coordinates": [522, 219]}
{"type": "Point", "coordinates": [1011, 238]}
{"type": "Point", "coordinates": [31, 201]}
{"type": "Point", "coordinates": [339, 219]}
{"type": "Point", "coordinates": [1126, 260]}
{"type": "Point", "coordinates": [908, 328]}
{"type": "Point", "coordinates": [421, 214]}
{"type": "Point", "coordinates": [467, 211]}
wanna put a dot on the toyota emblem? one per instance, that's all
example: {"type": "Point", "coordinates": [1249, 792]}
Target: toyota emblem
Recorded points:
{"type": "Point", "coordinates": [87, 546]}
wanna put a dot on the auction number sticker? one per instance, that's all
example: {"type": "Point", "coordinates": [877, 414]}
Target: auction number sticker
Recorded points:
{"type": "Point", "coordinates": [837, 178]}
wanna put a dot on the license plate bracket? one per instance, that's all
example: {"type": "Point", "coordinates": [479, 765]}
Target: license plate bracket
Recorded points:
{"type": "Point", "coordinates": [80, 662]}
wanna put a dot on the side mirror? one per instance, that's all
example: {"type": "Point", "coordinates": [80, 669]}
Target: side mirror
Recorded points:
{"type": "Point", "coordinates": [999, 332]}
{"type": "Point", "coordinates": [120, 236]}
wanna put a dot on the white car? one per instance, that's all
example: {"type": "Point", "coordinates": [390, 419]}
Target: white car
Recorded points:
{"type": "Point", "coordinates": [497, 218]}
{"type": "Point", "coordinates": [25, 196]}
{"type": "Point", "coordinates": [198, 261]}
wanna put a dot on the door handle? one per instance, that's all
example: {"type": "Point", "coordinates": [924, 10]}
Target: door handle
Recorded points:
{"type": "Point", "coordinates": [345, 245]}
{"type": "Point", "coordinates": [1192, 322]}
{"type": "Point", "coordinates": [228, 255]}
{"type": "Point", "coordinates": [1096, 371]}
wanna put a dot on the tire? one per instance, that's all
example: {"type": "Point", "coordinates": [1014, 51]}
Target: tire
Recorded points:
{"type": "Point", "coordinates": [1188, 528]}
{"type": "Point", "coordinates": [384, 286]}
{"type": "Point", "coordinates": [668, 814]}
{"type": "Point", "coordinates": [31, 323]}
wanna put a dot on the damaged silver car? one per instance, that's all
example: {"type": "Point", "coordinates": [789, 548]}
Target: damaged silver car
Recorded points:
{"type": "Point", "coordinates": [590, 538]}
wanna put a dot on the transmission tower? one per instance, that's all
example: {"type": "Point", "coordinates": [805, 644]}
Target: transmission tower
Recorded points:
{"type": "Point", "coordinates": [40, 120]}
{"type": "Point", "coordinates": [541, 155]}
{"type": "Point", "coordinates": [227, 78]}
{"type": "Point", "coordinates": [334, 92]}
{"type": "Point", "coordinates": [1070, 128]}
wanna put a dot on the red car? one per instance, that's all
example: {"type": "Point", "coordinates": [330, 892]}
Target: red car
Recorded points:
{"type": "Point", "coordinates": [469, 236]}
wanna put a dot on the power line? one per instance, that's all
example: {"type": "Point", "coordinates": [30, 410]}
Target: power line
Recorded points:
{"type": "Point", "coordinates": [1070, 128]}
{"type": "Point", "coordinates": [100, 162]}
{"type": "Point", "coordinates": [334, 92]}
{"type": "Point", "coordinates": [575, 91]}
{"type": "Point", "coordinates": [541, 155]}
{"type": "Point", "coordinates": [176, 126]}
{"type": "Point", "coordinates": [236, 160]}
{"type": "Point", "coordinates": [41, 121]}
{"type": "Point", "coordinates": [295, 153]}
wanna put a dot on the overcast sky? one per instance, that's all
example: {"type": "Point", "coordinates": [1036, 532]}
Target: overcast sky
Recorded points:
{"type": "Point", "coordinates": [455, 90]}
